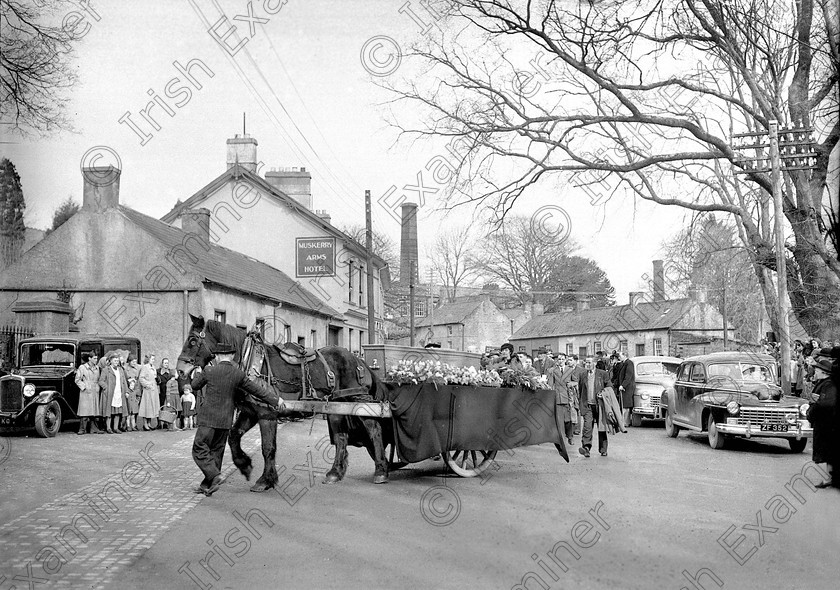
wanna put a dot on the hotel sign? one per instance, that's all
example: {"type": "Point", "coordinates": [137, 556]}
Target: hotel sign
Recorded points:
{"type": "Point", "coordinates": [315, 257]}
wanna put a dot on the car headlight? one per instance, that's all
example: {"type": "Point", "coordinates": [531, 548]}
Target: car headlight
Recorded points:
{"type": "Point", "coordinates": [732, 408]}
{"type": "Point", "coordinates": [28, 390]}
{"type": "Point", "coordinates": [645, 396]}
{"type": "Point", "coordinates": [803, 409]}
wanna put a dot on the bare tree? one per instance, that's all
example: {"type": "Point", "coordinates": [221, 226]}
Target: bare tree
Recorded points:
{"type": "Point", "coordinates": [34, 64]}
{"type": "Point", "coordinates": [383, 246]}
{"type": "Point", "coordinates": [451, 258]}
{"type": "Point", "coordinates": [640, 99]}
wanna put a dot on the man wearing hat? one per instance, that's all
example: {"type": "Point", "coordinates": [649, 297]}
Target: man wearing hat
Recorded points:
{"type": "Point", "coordinates": [215, 412]}
{"type": "Point", "coordinates": [823, 417]}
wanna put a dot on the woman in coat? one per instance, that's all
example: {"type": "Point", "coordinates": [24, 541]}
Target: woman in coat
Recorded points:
{"type": "Point", "coordinates": [115, 392]}
{"type": "Point", "coordinates": [149, 400]}
{"type": "Point", "coordinates": [823, 417]}
{"type": "Point", "coordinates": [132, 370]}
{"type": "Point", "coordinates": [87, 380]}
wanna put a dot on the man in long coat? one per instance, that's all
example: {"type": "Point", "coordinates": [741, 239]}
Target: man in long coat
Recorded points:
{"type": "Point", "coordinates": [215, 412]}
{"type": "Point", "coordinates": [87, 380]}
{"type": "Point", "coordinates": [823, 417]}
{"type": "Point", "coordinates": [626, 385]}
{"type": "Point", "coordinates": [591, 382]}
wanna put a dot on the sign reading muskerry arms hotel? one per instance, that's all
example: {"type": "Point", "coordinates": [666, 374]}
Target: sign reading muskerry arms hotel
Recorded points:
{"type": "Point", "coordinates": [315, 257]}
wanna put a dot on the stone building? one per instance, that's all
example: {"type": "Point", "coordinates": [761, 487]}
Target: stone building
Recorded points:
{"type": "Point", "coordinates": [468, 325]}
{"type": "Point", "coordinates": [271, 219]}
{"type": "Point", "coordinates": [126, 273]}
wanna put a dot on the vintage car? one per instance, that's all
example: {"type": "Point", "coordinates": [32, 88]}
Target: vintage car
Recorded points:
{"type": "Point", "coordinates": [734, 394]}
{"type": "Point", "coordinates": [42, 391]}
{"type": "Point", "coordinates": [654, 374]}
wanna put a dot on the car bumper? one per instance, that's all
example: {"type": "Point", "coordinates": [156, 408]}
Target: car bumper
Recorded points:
{"type": "Point", "coordinates": [653, 413]}
{"type": "Point", "coordinates": [753, 430]}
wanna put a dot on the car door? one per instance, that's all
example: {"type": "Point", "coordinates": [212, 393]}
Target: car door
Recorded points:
{"type": "Point", "coordinates": [681, 385]}
{"type": "Point", "coordinates": [694, 407]}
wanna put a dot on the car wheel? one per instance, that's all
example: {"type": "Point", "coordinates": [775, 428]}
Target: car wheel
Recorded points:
{"type": "Point", "coordinates": [716, 439]}
{"type": "Point", "coordinates": [671, 429]}
{"type": "Point", "coordinates": [635, 420]}
{"type": "Point", "coordinates": [797, 446]}
{"type": "Point", "coordinates": [48, 419]}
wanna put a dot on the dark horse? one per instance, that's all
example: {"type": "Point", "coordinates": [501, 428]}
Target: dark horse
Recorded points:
{"type": "Point", "coordinates": [349, 372]}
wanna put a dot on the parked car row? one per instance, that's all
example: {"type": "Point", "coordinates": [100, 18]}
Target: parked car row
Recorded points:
{"type": "Point", "coordinates": [721, 394]}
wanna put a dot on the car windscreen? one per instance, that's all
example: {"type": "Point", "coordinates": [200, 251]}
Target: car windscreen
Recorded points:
{"type": "Point", "coordinates": [61, 354]}
{"type": "Point", "coordinates": [657, 368]}
{"type": "Point", "coordinates": [742, 372]}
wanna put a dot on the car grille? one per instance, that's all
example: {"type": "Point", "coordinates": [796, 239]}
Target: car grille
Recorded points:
{"type": "Point", "coordinates": [654, 400]}
{"type": "Point", "coordinates": [11, 395]}
{"type": "Point", "coordinates": [761, 415]}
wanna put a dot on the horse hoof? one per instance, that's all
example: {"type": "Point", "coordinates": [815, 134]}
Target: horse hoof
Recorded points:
{"type": "Point", "coordinates": [380, 479]}
{"type": "Point", "coordinates": [247, 473]}
{"type": "Point", "coordinates": [332, 478]}
{"type": "Point", "coordinates": [260, 487]}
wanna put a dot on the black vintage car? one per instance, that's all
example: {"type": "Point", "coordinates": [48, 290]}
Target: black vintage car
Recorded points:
{"type": "Point", "coordinates": [42, 391]}
{"type": "Point", "coordinates": [729, 394]}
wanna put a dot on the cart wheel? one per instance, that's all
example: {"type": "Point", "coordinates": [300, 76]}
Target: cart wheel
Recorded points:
{"type": "Point", "coordinates": [468, 463]}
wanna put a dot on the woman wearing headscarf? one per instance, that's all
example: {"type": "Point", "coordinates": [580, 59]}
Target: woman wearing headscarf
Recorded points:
{"type": "Point", "coordinates": [149, 400]}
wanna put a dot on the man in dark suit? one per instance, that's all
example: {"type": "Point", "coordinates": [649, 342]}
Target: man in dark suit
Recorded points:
{"type": "Point", "coordinates": [591, 382]}
{"type": "Point", "coordinates": [626, 385]}
{"type": "Point", "coordinates": [215, 412]}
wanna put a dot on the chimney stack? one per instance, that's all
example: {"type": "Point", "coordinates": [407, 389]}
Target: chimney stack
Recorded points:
{"type": "Point", "coordinates": [101, 187]}
{"type": "Point", "coordinates": [294, 182]}
{"type": "Point", "coordinates": [636, 297]}
{"type": "Point", "coordinates": [408, 243]}
{"type": "Point", "coordinates": [324, 215]}
{"type": "Point", "coordinates": [197, 222]}
{"type": "Point", "coordinates": [658, 280]}
{"type": "Point", "coordinates": [581, 302]}
{"type": "Point", "coordinates": [242, 149]}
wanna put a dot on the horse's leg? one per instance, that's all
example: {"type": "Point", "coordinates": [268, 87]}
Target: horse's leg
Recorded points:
{"type": "Point", "coordinates": [244, 422]}
{"type": "Point", "coordinates": [339, 467]}
{"type": "Point", "coordinates": [268, 436]}
{"type": "Point", "coordinates": [376, 449]}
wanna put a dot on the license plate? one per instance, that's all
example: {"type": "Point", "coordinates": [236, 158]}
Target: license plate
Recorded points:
{"type": "Point", "coordinates": [774, 427]}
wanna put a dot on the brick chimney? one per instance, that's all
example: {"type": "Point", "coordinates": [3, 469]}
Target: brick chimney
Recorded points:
{"type": "Point", "coordinates": [242, 149]}
{"type": "Point", "coordinates": [658, 280]}
{"type": "Point", "coordinates": [197, 221]}
{"type": "Point", "coordinates": [581, 302]}
{"type": "Point", "coordinates": [324, 215]}
{"type": "Point", "coordinates": [101, 187]}
{"type": "Point", "coordinates": [294, 182]}
{"type": "Point", "coordinates": [408, 243]}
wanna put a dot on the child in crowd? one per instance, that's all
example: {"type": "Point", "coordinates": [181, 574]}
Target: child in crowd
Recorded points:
{"type": "Point", "coordinates": [188, 405]}
{"type": "Point", "coordinates": [173, 399]}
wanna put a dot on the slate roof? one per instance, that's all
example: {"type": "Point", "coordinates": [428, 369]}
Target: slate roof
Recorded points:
{"type": "Point", "coordinates": [618, 318]}
{"type": "Point", "coordinates": [450, 313]}
{"type": "Point", "coordinates": [235, 173]}
{"type": "Point", "coordinates": [233, 269]}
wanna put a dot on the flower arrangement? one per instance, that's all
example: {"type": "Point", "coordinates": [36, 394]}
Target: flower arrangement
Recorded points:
{"type": "Point", "coordinates": [416, 372]}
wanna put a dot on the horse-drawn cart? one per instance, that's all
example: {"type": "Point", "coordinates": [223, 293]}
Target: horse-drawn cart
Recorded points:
{"type": "Point", "coordinates": [465, 425]}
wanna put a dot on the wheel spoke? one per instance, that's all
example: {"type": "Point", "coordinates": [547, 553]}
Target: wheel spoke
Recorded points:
{"type": "Point", "coordinates": [475, 463]}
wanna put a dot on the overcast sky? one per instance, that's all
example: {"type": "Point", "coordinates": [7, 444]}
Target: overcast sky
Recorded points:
{"type": "Point", "coordinates": [309, 101]}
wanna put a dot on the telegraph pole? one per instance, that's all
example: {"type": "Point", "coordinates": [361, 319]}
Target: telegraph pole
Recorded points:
{"type": "Point", "coordinates": [371, 308]}
{"type": "Point", "coordinates": [798, 155]}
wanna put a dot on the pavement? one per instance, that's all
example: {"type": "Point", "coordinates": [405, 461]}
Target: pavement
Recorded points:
{"type": "Point", "coordinates": [114, 511]}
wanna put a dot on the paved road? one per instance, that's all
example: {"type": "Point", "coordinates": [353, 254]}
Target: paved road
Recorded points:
{"type": "Point", "coordinates": [651, 515]}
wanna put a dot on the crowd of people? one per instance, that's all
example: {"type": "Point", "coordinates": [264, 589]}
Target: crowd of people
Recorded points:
{"type": "Point", "coordinates": [596, 391]}
{"type": "Point", "coordinates": [117, 394]}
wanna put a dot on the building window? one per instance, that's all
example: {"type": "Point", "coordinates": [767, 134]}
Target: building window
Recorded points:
{"type": "Point", "coordinates": [220, 316]}
{"type": "Point", "coordinates": [583, 352]}
{"type": "Point", "coordinates": [301, 340]}
{"type": "Point", "coordinates": [640, 349]}
{"type": "Point", "coordinates": [403, 309]}
{"type": "Point", "coordinates": [448, 344]}
{"type": "Point", "coordinates": [622, 346]}
{"type": "Point", "coordinates": [570, 349]}
{"type": "Point", "coordinates": [361, 286]}
{"type": "Point", "coordinates": [350, 282]}
{"type": "Point", "coordinates": [657, 346]}
{"type": "Point", "coordinates": [287, 333]}
{"type": "Point", "coordinates": [313, 338]}
{"type": "Point", "coordinates": [420, 309]}
{"type": "Point", "coordinates": [597, 346]}
{"type": "Point", "coordinates": [450, 330]}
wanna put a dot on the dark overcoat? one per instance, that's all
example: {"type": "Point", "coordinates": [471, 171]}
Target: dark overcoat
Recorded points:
{"type": "Point", "coordinates": [823, 417]}
{"type": "Point", "coordinates": [220, 383]}
{"type": "Point", "coordinates": [627, 380]}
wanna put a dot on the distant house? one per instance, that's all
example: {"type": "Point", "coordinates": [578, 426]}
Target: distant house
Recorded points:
{"type": "Point", "coordinates": [470, 324]}
{"type": "Point", "coordinates": [671, 327]}
{"type": "Point", "coordinates": [128, 273]}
